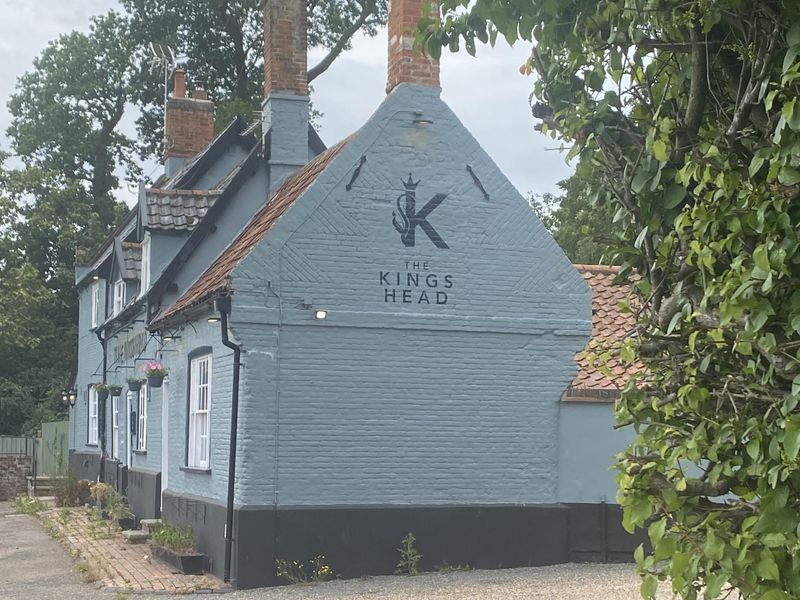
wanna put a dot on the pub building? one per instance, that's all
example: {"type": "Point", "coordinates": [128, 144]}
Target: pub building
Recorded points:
{"type": "Point", "coordinates": [363, 340]}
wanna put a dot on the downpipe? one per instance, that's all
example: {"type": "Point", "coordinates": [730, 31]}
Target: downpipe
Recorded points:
{"type": "Point", "coordinates": [224, 306]}
{"type": "Point", "coordinates": [101, 412]}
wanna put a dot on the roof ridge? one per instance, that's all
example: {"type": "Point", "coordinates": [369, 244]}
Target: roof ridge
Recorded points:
{"type": "Point", "coordinates": [597, 268]}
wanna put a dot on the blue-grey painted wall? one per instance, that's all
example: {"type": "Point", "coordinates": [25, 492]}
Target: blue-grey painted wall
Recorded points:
{"type": "Point", "coordinates": [237, 213]}
{"type": "Point", "coordinates": [406, 403]}
{"type": "Point", "coordinates": [232, 156]}
{"type": "Point", "coordinates": [163, 248]}
{"type": "Point", "coordinates": [587, 446]}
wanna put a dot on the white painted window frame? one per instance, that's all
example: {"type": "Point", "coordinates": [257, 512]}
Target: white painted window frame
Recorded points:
{"type": "Point", "coordinates": [115, 427]}
{"type": "Point", "coordinates": [119, 296]}
{"type": "Point", "coordinates": [141, 414]}
{"type": "Point", "coordinates": [95, 294]}
{"type": "Point", "coordinates": [199, 443]}
{"type": "Point", "coordinates": [145, 276]}
{"type": "Point", "coordinates": [91, 437]}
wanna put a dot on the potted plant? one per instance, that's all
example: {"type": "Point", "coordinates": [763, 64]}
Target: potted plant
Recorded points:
{"type": "Point", "coordinates": [115, 390]}
{"type": "Point", "coordinates": [175, 546]}
{"type": "Point", "coordinates": [155, 373]}
{"type": "Point", "coordinates": [134, 384]}
{"type": "Point", "coordinates": [102, 391]}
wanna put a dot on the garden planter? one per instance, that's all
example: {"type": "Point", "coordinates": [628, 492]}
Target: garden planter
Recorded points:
{"type": "Point", "coordinates": [115, 391]}
{"type": "Point", "coordinates": [189, 563]}
{"type": "Point", "coordinates": [135, 386]}
{"type": "Point", "coordinates": [155, 381]}
{"type": "Point", "coordinates": [127, 523]}
{"type": "Point", "coordinates": [102, 395]}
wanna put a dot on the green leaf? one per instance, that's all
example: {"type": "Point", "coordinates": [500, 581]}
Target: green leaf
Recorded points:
{"type": "Point", "coordinates": [767, 568]}
{"type": "Point", "coordinates": [674, 195]}
{"type": "Point", "coordinates": [660, 150]}
{"type": "Point", "coordinates": [754, 449]}
{"type": "Point", "coordinates": [775, 595]}
{"type": "Point", "coordinates": [715, 547]}
{"type": "Point", "coordinates": [791, 439]}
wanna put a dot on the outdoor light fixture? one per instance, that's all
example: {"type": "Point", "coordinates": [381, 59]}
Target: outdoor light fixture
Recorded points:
{"type": "Point", "coordinates": [321, 314]}
{"type": "Point", "coordinates": [213, 319]}
{"type": "Point", "coordinates": [69, 397]}
{"type": "Point", "coordinates": [95, 276]}
{"type": "Point", "coordinates": [420, 119]}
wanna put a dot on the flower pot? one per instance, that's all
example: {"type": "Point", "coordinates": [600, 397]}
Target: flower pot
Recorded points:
{"type": "Point", "coordinates": [115, 391]}
{"type": "Point", "coordinates": [102, 395]}
{"type": "Point", "coordinates": [155, 381]}
{"type": "Point", "coordinates": [134, 386]}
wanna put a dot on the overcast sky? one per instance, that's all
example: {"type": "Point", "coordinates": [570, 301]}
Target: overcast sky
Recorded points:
{"type": "Point", "coordinates": [487, 93]}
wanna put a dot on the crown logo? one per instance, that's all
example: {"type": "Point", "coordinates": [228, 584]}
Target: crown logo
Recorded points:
{"type": "Point", "coordinates": [410, 184]}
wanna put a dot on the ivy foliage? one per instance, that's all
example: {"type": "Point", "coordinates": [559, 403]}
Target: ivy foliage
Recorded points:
{"type": "Point", "coordinates": [688, 113]}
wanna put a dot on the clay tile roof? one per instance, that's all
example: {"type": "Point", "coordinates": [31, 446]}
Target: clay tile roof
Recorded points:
{"type": "Point", "coordinates": [216, 279]}
{"type": "Point", "coordinates": [609, 325]}
{"type": "Point", "coordinates": [132, 259]}
{"type": "Point", "coordinates": [177, 209]}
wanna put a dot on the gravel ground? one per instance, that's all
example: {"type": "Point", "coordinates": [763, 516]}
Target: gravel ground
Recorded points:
{"type": "Point", "coordinates": [560, 582]}
{"type": "Point", "coordinates": [33, 565]}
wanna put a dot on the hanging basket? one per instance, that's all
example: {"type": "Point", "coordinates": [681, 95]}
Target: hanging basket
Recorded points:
{"type": "Point", "coordinates": [115, 390]}
{"type": "Point", "coordinates": [134, 385]}
{"type": "Point", "coordinates": [155, 381]}
{"type": "Point", "coordinates": [102, 395]}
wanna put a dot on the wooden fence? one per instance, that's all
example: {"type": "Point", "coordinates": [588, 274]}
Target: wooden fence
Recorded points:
{"type": "Point", "coordinates": [50, 449]}
{"type": "Point", "coordinates": [12, 445]}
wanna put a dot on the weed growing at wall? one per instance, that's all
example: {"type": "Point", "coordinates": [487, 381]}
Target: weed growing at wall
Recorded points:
{"type": "Point", "coordinates": [409, 557]}
{"type": "Point", "coordinates": [294, 571]}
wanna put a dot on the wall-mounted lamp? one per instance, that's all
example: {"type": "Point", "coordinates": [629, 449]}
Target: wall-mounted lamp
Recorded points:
{"type": "Point", "coordinates": [420, 119]}
{"type": "Point", "coordinates": [95, 276]}
{"type": "Point", "coordinates": [321, 314]}
{"type": "Point", "coordinates": [69, 397]}
{"type": "Point", "coordinates": [213, 319]}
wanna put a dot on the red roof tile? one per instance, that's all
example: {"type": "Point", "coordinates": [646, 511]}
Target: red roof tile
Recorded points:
{"type": "Point", "coordinates": [216, 279]}
{"type": "Point", "coordinates": [609, 325]}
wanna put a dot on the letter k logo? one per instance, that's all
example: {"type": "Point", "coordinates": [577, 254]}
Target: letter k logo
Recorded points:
{"type": "Point", "coordinates": [407, 220]}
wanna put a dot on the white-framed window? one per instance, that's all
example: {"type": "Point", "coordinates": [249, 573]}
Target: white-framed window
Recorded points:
{"type": "Point", "coordinates": [141, 426]}
{"type": "Point", "coordinates": [92, 435]}
{"type": "Point", "coordinates": [95, 294]}
{"type": "Point", "coordinates": [119, 296]}
{"type": "Point", "coordinates": [145, 277]}
{"type": "Point", "coordinates": [199, 446]}
{"type": "Point", "coordinates": [115, 427]}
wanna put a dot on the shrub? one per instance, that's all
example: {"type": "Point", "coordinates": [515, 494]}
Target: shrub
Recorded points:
{"type": "Point", "coordinates": [71, 491]}
{"type": "Point", "coordinates": [29, 505]}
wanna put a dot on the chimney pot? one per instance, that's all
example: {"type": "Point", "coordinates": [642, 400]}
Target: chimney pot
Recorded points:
{"type": "Point", "coordinates": [408, 64]}
{"type": "Point", "coordinates": [180, 84]}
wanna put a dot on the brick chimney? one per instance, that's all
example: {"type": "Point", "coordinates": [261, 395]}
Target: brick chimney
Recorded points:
{"type": "Point", "coordinates": [408, 64]}
{"type": "Point", "coordinates": [189, 124]}
{"type": "Point", "coordinates": [285, 107]}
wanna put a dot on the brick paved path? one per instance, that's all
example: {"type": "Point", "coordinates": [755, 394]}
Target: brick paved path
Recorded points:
{"type": "Point", "coordinates": [120, 565]}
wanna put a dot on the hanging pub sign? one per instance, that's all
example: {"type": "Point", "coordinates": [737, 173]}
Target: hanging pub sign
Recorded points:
{"type": "Point", "coordinates": [132, 347]}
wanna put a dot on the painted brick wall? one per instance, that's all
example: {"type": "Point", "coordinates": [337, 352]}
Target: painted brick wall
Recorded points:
{"type": "Point", "coordinates": [587, 446]}
{"type": "Point", "coordinates": [406, 402]}
{"type": "Point", "coordinates": [175, 357]}
{"type": "Point", "coordinates": [90, 367]}
{"type": "Point", "coordinates": [14, 471]}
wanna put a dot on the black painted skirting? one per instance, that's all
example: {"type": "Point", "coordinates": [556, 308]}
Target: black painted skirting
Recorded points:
{"type": "Point", "coordinates": [116, 475]}
{"type": "Point", "coordinates": [364, 540]}
{"type": "Point", "coordinates": [144, 493]}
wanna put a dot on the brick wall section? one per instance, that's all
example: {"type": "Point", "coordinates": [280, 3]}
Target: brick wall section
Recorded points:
{"type": "Point", "coordinates": [408, 64]}
{"type": "Point", "coordinates": [285, 47]}
{"type": "Point", "coordinates": [13, 473]}
{"type": "Point", "coordinates": [190, 126]}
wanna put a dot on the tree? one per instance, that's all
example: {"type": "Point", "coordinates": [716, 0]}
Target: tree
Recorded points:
{"type": "Point", "coordinates": [222, 41]}
{"type": "Point", "coordinates": [65, 113]}
{"type": "Point", "coordinates": [688, 111]}
{"type": "Point", "coordinates": [584, 229]}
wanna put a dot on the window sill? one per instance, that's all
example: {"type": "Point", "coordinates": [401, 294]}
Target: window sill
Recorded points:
{"type": "Point", "coordinates": [140, 452]}
{"type": "Point", "coordinates": [91, 445]}
{"type": "Point", "coordinates": [196, 470]}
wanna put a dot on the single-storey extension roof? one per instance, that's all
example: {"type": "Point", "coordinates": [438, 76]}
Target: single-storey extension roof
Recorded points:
{"type": "Point", "coordinates": [610, 326]}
